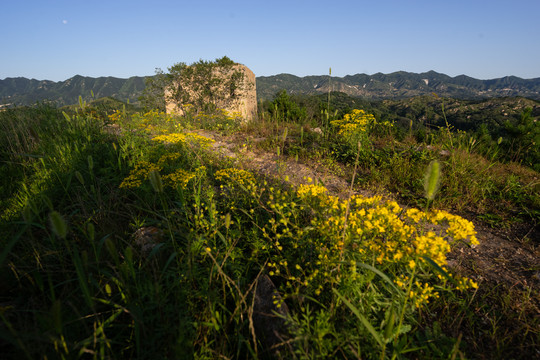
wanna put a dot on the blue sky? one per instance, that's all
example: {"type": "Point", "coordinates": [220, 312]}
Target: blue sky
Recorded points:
{"type": "Point", "coordinates": [57, 39]}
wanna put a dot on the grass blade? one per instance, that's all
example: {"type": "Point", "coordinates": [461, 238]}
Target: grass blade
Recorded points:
{"type": "Point", "coordinates": [381, 274]}
{"type": "Point", "coordinates": [439, 269]}
{"type": "Point", "coordinates": [362, 318]}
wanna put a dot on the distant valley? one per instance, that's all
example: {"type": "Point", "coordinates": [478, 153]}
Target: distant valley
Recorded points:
{"type": "Point", "coordinates": [397, 85]}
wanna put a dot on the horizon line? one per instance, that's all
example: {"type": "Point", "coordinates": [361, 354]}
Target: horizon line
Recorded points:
{"type": "Point", "coordinates": [284, 73]}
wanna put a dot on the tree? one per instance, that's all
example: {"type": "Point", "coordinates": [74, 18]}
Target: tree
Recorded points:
{"type": "Point", "coordinates": [283, 107]}
{"type": "Point", "coordinates": [524, 140]}
{"type": "Point", "coordinates": [153, 95]}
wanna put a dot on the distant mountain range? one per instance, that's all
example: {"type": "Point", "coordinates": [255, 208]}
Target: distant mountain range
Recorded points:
{"type": "Point", "coordinates": [397, 85]}
{"type": "Point", "coordinates": [23, 91]}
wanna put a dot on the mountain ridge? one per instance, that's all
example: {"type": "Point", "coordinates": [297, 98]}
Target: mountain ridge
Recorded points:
{"type": "Point", "coordinates": [379, 86]}
{"type": "Point", "coordinates": [402, 84]}
{"type": "Point", "coordinates": [23, 91]}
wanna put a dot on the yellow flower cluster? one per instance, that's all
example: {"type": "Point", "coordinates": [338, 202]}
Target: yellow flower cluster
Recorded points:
{"type": "Point", "coordinates": [466, 283]}
{"type": "Point", "coordinates": [185, 138]}
{"type": "Point", "coordinates": [357, 121]}
{"type": "Point", "coordinates": [421, 292]}
{"type": "Point", "coordinates": [154, 114]}
{"type": "Point", "coordinates": [173, 138]}
{"type": "Point", "coordinates": [238, 187]}
{"type": "Point", "coordinates": [179, 178]}
{"type": "Point", "coordinates": [415, 215]}
{"type": "Point", "coordinates": [310, 190]}
{"type": "Point", "coordinates": [139, 174]}
{"type": "Point", "coordinates": [234, 176]}
{"type": "Point", "coordinates": [432, 246]}
{"type": "Point", "coordinates": [235, 115]}
{"type": "Point", "coordinates": [175, 179]}
{"type": "Point", "coordinates": [457, 229]}
{"type": "Point", "coordinates": [361, 229]}
{"type": "Point", "coordinates": [417, 291]}
{"type": "Point", "coordinates": [116, 116]}
{"type": "Point", "coordinates": [169, 157]}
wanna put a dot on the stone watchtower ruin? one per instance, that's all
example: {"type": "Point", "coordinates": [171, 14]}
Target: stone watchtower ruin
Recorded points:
{"type": "Point", "coordinates": [225, 85]}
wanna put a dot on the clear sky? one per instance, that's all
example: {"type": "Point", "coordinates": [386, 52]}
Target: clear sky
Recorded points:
{"type": "Point", "coordinates": [57, 39]}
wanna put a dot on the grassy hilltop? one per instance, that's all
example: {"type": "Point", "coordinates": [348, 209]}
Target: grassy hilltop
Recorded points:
{"type": "Point", "coordinates": [330, 228]}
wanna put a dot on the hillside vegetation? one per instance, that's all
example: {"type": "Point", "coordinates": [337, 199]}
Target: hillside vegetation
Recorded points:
{"type": "Point", "coordinates": [502, 128]}
{"type": "Point", "coordinates": [130, 234]}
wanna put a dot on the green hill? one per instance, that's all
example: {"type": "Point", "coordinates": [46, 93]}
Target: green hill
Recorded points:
{"type": "Point", "coordinates": [22, 91]}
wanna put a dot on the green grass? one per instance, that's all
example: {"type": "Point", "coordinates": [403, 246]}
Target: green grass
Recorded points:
{"type": "Point", "coordinates": [79, 277]}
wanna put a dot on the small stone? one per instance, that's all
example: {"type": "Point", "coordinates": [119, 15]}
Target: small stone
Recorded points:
{"type": "Point", "coordinates": [269, 312]}
{"type": "Point", "coordinates": [146, 238]}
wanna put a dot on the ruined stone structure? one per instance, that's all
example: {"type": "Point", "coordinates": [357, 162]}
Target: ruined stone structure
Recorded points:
{"type": "Point", "coordinates": [241, 98]}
